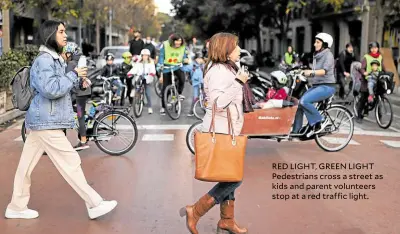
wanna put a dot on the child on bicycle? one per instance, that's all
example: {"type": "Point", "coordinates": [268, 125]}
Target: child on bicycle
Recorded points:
{"type": "Point", "coordinates": [372, 78]}
{"type": "Point", "coordinates": [125, 68]}
{"type": "Point", "coordinates": [195, 70]}
{"type": "Point", "coordinates": [145, 69]}
{"type": "Point", "coordinates": [111, 69]}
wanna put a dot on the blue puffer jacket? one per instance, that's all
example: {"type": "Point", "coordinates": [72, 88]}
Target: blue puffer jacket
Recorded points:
{"type": "Point", "coordinates": [51, 108]}
{"type": "Point", "coordinates": [196, 72]}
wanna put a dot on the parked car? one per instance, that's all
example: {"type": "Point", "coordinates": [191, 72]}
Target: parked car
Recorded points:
{"type": "Point", "coordinates": [117, 51]}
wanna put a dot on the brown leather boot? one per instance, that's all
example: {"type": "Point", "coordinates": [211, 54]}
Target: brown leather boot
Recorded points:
{"type": "Point", "coordinates": [227, 224]}
{"type": "Point", "coordinates": [194, 212]}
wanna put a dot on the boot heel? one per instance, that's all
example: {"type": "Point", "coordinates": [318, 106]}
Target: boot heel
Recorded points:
{"type": "Point", "coordinates": [182, 212]}
{"type": "Point", "coordinates": [222, 231]}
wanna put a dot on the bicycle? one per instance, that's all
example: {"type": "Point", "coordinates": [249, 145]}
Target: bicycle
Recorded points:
{"type": "Point", "coordinates": [384, 86]}
{"type": "Point", "coordinates": [108, 88]}
{"type": "Point", "coordinates": [158, 86]}
{"type": "Point", "coordinates": [276, 123]}
{"type": "Point", "coordinates": [173, 106]}
{"type": "Point", "coordinates": [96, 123]}
{"type": "Point", "coordinates": [138, 95]}
{"type": "Point", "coordinates": [199, 108]}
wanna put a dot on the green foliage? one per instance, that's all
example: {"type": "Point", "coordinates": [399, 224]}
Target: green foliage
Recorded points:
{"type": "Point", "coordinates": [13, 60]}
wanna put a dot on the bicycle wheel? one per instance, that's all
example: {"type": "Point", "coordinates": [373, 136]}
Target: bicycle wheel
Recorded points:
{"type": "Point", "coordinates": [190, 135]}
{"type": "Point", "coordinates": [384, 112]}
{"type": "Point", "coordinates": [158, 87]}
{"type": "Point", "coordinates": [138, 104]}
{"type": "Point", "coordinates": [23, 132]}
{"type": "Point", "coordinates": [198, 110]}
{"type": "Point", "coordinates": [172, 102]}
{"type": "Point", "coordinates": [340, 123]}
{"type": "Point", "coordinates": [106, 129]}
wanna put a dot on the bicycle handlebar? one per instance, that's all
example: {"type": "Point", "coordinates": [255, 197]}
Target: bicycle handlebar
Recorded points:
{"type": "Point", "coordinates": [173, 66]}
{"type": "Point", "coordinates": [108, 78]}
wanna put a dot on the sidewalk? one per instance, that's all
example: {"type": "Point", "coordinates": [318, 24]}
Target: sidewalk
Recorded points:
{"type": "Point", "coordinates": [10, 115]}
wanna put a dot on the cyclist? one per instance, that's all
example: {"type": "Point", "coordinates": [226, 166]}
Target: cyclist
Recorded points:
{"type": "Point", "coordinates": [125, 68]}
{"type": "Point", "coordinates": [111, 69]}
{"type": "Point", "coordinates": [290, 57]}
{"type": "Point", "coordinates": [195, 70]}
{"type": "Point", "coordinates": [323, 80]}
{"type": "Point", "coordinates": [72, 54]}
{"type": "Point", "coordinates": [146, 70]}
{"type": "Point", "coordinates": [366, 69]}
{"type": "Point", "coordinates": [172, 52]}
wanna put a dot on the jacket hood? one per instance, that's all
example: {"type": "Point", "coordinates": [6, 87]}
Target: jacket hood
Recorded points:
{"type": "Point", "coordinates": [54, 54]}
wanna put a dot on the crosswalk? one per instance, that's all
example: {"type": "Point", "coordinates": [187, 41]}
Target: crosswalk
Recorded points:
{"type": "Point", "coordinates": [157, 136]}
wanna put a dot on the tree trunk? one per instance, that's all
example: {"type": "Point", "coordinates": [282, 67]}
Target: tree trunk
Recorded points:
{"type": "Point", "coordinates": [6, 31]}
{"type": "Point", "coordinates": [379, 21]}
{"type": "Point", "coordinates": [97, 36]}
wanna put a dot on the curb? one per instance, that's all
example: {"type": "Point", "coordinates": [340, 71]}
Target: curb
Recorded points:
{"type": "Point", "coordinates": [10, 115]}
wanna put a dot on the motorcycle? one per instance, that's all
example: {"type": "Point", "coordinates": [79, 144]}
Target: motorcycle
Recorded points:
{"type": "Point", "coordinates": [259, 81]}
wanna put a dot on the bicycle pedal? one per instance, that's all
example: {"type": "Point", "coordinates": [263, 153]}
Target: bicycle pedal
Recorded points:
{"type": "Point", "coordinates": [310, 134]}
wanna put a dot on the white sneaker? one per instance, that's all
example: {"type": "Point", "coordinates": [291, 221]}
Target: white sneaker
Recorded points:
{"type": "Point", "coordinates": [25, 214]}
{"type": "Point", "coordinates": [150, 111]}
{"type": "Point", "coordinates": [102, 209]}
{"type": "Point", "coordinates": [162, 111]}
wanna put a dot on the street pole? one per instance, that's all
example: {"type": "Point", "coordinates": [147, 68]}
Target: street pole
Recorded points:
{"type": "Point", "coordinates": [6, 31]}
{"type": "Point", "coordinates": [110, 35]}
{"type": "Point", "coordinates": [80, 24]}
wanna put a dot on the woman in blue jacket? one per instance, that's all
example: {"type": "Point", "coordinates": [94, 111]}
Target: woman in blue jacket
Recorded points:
{"type": "Point", "coordinates": [49, 113]}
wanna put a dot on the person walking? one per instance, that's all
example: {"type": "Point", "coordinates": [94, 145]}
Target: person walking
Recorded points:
{"type": "Point", "coordinates": [49, 112]}
{"type": "Point", "coordinates": [223, 85]}
{"type": "Point", "coordinates": [346, 58]}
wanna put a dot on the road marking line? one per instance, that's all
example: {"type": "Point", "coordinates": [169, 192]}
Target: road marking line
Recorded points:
{"type": "Point", "coordinates": [374, 121]}
{"type": "Point", "coordinates": [394, 144]}
{"type": "Point", "coordinates": [377, 133]}
{"type": "Point", "coordinates": [164, 127]}
{"type": "Point", "coordinates": [337, 140]}
{"type": "Point", "coordinates": [18, 138]}
{"type": "Point", "coordinates": [158, 137]}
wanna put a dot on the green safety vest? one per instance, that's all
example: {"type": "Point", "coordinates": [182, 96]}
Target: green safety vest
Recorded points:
{"type": "Point", "coordinates": [369, 59]}
{"type": "Point", "coordinates": [173, 56]}
{"type": "Point", "coordinates": [289, 58]}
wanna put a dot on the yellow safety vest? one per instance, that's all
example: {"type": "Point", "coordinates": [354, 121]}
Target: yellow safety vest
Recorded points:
{"type": "Point", "coordinates": [173, 56]}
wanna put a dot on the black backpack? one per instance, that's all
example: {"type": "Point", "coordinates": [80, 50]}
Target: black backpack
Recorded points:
{"type": "Point", "coordinates": [21, 88]}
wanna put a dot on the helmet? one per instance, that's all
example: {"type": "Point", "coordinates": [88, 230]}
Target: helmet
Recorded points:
{"type": "Point", "coordinates": [373, 44]}
{"type": "Point", "coordinates": [375, 62]}
{"type": "Point", "coordinates": [127, 54]}
{"type": "Point", "coordinates": [72, 48]}
{"type": "Point", "coordinates": [145, 52]}
{"type": "Point", "coordinates": [325, 38]}
{"type": "Point", "coordinates": [279, 77]}
{"type": "Point", "coordinates": [110, 56]}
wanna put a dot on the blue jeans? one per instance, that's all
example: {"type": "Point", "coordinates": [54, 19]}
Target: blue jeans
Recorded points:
{"type": "Point", "coordinates": [224, 191]}
{"type": "Point", "coordinates": [306, 106]}
{"type": "Point", "coordinates": [119, 85]}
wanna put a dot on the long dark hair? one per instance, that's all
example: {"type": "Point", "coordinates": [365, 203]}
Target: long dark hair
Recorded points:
{"type": "Point", "coordinates": [174, 37]}
{"type": "Point", "coordinates": [47, 34]}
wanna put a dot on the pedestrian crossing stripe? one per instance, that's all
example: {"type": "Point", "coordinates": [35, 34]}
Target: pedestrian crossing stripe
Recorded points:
{"type": "Point", "coordinates": [158, 137]}
{"type": "Point", "coordinates": [394, 144]}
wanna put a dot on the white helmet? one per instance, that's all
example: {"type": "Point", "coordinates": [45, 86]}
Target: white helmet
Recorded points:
{"type": "Point", "coordinates": [145, 52]}
{"type": "Point", "coordinates": [280, 77]}
{"type": "Point", "coordinates": [325, 38]}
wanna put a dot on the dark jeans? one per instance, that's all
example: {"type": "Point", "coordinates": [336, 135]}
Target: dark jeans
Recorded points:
{"type": "Point", "coordinates": [341, 80]}
{"type": "Point", "coordinates": [362, 104]}
{"type": "Point", "coordinates": [167, 81]}
{"type": "Point", "coordinates": [81, 111]}
{"type": "Point", "coordinates": [129, 85]}
{"type": "Point", "coordinates": [224, 191]}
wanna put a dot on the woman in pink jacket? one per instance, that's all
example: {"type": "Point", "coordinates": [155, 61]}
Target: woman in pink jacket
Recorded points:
{"type": "Point", "coordinates": [223, 84]}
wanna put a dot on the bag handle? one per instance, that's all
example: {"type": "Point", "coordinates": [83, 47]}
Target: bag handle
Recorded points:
{"type": "Point", "coordinates": [230, 124]}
